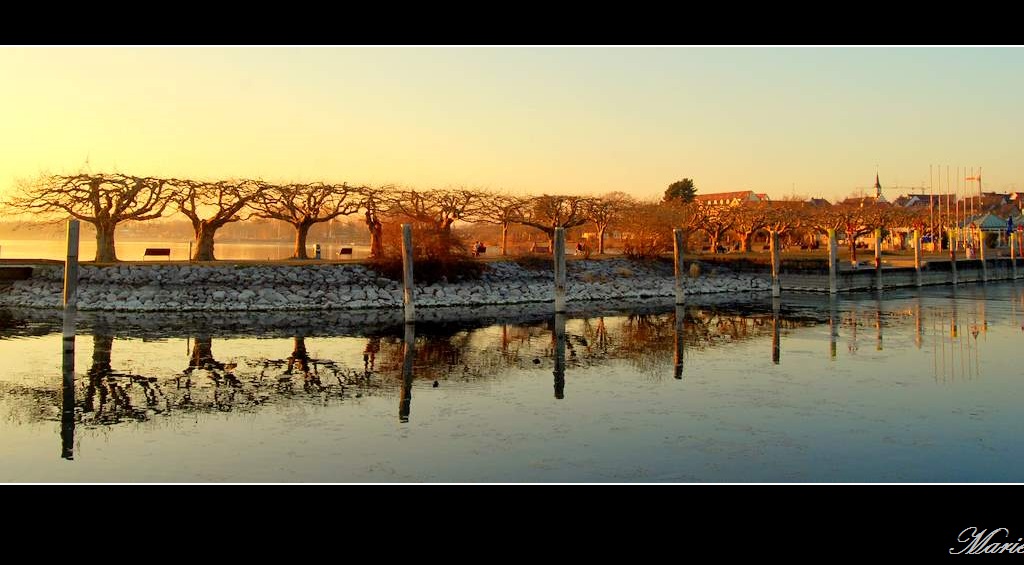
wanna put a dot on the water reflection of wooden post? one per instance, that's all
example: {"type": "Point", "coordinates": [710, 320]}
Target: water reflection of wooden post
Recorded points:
{"type": "Point", "coordinates": [878, 324]}
{"type": "Point", "coordinates": [776, 345]}
{"type": "Point", "coordinates": [918, 322]}
{"type": "Point", "coordinates": [559, 355]}
{"type": "Point", "coordinates": [917, 257]}
{"type": "Point", "coordinates": [774, 246]}
{"type": "Point", "coordinates": [410, 311]}
{"type": "Point", "coordinates": [71, 265]}
{"type": "Point", "coordinates": [833, 325]}
{"type": "Point", "coordinates": [981, 255]}
{"type": "Point", "coordinates": [67, 418]}
{"type": "Point", "coordinates": [559, 252]}
{"type": "Point", "coordinates": [680, 335]}
{"type": "Point", "coordinates": [833, 261]}
{"type": "Point", "coordinates": [408, 356]}
{"type": "Point", "coordinates": [878, 258]}
{"type": "Point", "coordinates": [677, 242]}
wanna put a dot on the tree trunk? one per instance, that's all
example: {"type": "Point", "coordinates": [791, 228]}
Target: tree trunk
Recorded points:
{"type": "Point", "coordinates": [204, 241]}
{"type": "Point", "coordinates": [600, 240]}
{"type": "Point", "coordinates": [713, 240]}
{"type": "Point", "coordinates": [301, 231]}
{"type": "Point", "coordinates": [745, 241]}
{"type": "Point", "coordinates": [853, 251]}
{"type": "Point", "coordinates": [105, 242]}
{"type": "Point", "coordinates": [504, 239]}
{"type": "Point", "coordinates": [375, 228]}
{"type": "Point", "coordinates": [376, 244]}
{"type": "Point", "coordinates": [551, 241]}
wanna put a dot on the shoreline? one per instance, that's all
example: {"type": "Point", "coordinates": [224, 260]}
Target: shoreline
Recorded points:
{"type": "Point", "coordinates": [353, 286]}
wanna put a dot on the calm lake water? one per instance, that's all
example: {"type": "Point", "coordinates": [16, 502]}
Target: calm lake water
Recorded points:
{"type": "Point", "coordinates": [918, 387]}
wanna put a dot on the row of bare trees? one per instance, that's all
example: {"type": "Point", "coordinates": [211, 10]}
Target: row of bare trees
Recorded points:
{"type": "Point", "coordinates": [106, 200]}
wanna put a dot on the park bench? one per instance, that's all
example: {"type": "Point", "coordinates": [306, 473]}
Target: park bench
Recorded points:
{"type": "Point", "coordinates": [157, 252]}
{"type": "Point", "coordinates": [345, 251]}
{"type": "Point", "coordinates": [541, 249]}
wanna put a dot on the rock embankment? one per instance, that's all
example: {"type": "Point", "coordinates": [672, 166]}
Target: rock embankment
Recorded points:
{"type": "Point", "coordinates": [228, 287]}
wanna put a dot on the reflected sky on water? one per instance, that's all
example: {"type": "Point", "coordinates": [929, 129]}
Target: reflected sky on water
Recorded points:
{"type": "Point", "coordinates": [921, 386]}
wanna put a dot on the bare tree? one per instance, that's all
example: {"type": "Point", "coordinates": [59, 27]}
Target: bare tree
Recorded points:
{"type": "Point", "coordinates": [373, 203]}
{"type": "Point", "coordinates": [647, 228]}
{"type": "Point", "coordinates": [436, 208]}
{"type": "Point", "coordinates": [103, 200]}
{"type": "Point", "coordinates": [852, 220]}
{"type": "Point", "coordinates": [227, 198]}
{"type": "Point", "coordinates": [748, 220]}
{"type": "Point", "coordinates": [715, 221]}
{"type": "Point", "coordinates": [549, 212]}
{"type": "Point", "coordinates": [606, 211]}
{"type": "Point", "coordinates": [304, 205]}
{"type": "Point", "coordinates": [504, 210]}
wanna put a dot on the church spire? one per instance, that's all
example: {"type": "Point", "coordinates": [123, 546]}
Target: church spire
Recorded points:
{"type": "Point", "coordinates": [878, 187]}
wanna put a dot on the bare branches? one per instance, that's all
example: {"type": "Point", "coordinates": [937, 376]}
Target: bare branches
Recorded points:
{"type": "Point", "coordinates": [549, 212]}
{"type": "Point", "coordinates": [436, 208]}
{"type": "Point", "coordinates": [303, 205]}
{"type": "Point", "coordinates": [102, 200]}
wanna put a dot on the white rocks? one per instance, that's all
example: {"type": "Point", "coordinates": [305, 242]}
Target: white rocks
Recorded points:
{"type": "Point", "coordinates": [228, 287]}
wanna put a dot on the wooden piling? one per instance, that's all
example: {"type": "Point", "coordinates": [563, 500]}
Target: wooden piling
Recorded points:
{"type": "Point", "coordinates": [833, 261]}
{"type": "Point", "coordinates": [878, 258]}
{"type": "Point", "coordinates": [952, 255]}
{"type": "Point", "coordinates": [677, 242]}
{"type": "Point", "coordinates": [559, 252]}
{"type": "Point", "coordinates": [776, 259]}
{"type": "Point", "coordinates": [981, 255]}
{"type": "Point", "coordinates": [1013, 255]}
{"type": "Point", "coordinates": [71, 266]}
{"type": "Point", "coordinates": [410, 309]}
{"type": "Point", "coordinates": [917, 257]}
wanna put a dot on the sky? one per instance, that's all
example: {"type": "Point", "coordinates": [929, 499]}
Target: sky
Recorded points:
{"type": "Point", "coordinates": [584, 120]}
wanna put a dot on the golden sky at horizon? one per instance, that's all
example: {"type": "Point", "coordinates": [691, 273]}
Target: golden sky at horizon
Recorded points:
{"type": "Point", "coordinates": [566, 120]}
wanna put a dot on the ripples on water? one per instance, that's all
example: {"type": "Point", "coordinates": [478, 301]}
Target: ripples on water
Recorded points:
{"type": "Point", "coordinates": [920, 386]}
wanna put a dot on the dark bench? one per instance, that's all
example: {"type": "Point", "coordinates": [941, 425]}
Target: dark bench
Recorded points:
{"type": "Point", "coordinates": [345, 251]}
{"type": "Point", "coordinates": [157, 252]}
{"type": "Point", "coordinates": [539, 249]}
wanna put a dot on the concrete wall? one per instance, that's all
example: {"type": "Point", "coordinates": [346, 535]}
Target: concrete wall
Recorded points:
{"type": "Point", "coordinates": [968, 271]}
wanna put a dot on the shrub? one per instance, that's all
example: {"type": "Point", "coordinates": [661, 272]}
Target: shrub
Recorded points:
{"type": "Point", "coordinates": [437, 256]}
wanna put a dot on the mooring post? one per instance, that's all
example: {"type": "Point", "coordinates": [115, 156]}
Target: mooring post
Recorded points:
{"type": "Point", "coordinates": [981, 255]}
{"type": "Point", "coordinates": [1013, 255]}
{"type": "Point", "coordinates": [71, 266]}
{"type": "Point", "coordinates": [952, 254]}
{"type": "Point", "coordinates": [878, 258]}
{"type": "Point", "coordinates": [776, 259]}
{"type": "Point", "coordinates": [410, 309]}
{"type": "Point", "coordinates": [917, 257]}
{"type": "Point", "coordinates": [833, 261]}
{"type": "Point", "coordinates": [559, 269]}
{"type": "Point", "coordinates": [677, 241]}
